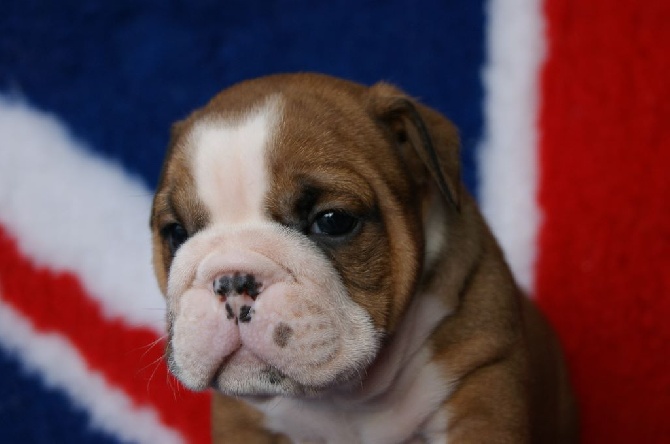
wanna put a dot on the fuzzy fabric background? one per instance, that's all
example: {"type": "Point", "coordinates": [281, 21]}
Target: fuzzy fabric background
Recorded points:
{"type": "Point", "coordinates": [564, 111]}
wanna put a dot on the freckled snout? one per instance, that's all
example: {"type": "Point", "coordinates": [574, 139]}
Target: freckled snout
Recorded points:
{"type": "Point", "coordinates": [259, 311]}
{"type": "Point", "coordinates": [239, 292]}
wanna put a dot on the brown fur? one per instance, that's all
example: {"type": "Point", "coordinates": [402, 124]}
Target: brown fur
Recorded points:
{"type": "Point", "coordinates": [364, 151]}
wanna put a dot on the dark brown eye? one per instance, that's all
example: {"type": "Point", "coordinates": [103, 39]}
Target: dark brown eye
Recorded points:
{"type": "Point", "coordinates": [333, 223]}
{"type": "Point", "coordinates": [175, 235]}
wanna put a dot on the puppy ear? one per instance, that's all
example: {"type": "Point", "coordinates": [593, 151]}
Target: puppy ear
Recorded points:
{"type": "Point", "coordinates": [426, 140]}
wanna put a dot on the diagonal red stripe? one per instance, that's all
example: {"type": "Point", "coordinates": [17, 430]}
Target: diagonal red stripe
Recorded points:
{"type": "Point", "coordinates": [56, 302]}
{"type": "Point", "coordinates": [603, 274]}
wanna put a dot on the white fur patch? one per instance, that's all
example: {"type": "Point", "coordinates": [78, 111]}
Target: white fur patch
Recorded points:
{"type": "Point", "coordinates": [435, 429]}
{"type": "Point", "coordinates": [508, 152]}
{"type": "Point", "coordinates": [229, 163]}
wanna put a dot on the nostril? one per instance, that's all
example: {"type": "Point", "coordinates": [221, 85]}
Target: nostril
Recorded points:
{"type": "Point", "coordinates": [238, 283]}
{"type": "Point", "coordinates": [246, 284]}
{"type": "Point", "coordinates": [223, 285]}
{"type": "Point", "coordinates": [252, 287]}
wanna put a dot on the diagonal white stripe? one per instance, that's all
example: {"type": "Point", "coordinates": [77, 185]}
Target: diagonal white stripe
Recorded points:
{"type": "Point", "coordinates": [60, 366]}
{"type": "Point", "coordinates": [508, 152]}
{"type": "Point", "coordinates": [74, 212]}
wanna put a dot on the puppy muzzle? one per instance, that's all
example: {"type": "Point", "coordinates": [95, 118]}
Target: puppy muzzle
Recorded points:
{"type": "Point", "coordinates": [263, 312]}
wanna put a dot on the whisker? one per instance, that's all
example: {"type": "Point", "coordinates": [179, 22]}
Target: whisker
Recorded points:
{"type": "Point", "coordinates": [147, 348]}
{"type": "Point", "coordinates": [156, 362]}
{"type": "Point", "coordinates": [174, 388]}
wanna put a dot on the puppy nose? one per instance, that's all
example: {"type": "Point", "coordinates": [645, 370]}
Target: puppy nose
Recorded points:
{"type": "Point", "coordinates": [238, 291]}
{"type": "Point", "coordinates": [237, 284]}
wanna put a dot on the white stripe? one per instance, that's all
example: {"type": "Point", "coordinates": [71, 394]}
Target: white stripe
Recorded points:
{"type": "Point", "coordinates": [229, 164]}
{"type": "Point", "coordinates": [60, 366]}
{"type": "Point", "coordinates": [72, 211]}
{"type": "Point", "coordinates": [508, 152]}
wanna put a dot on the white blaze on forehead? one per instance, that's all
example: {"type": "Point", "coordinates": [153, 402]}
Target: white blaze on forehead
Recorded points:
{"type": "Point", "coordinates": [229, 163]}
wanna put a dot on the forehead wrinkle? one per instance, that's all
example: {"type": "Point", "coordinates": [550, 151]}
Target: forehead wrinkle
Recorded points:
{"type": "Point", "coordinates": [346, 180]}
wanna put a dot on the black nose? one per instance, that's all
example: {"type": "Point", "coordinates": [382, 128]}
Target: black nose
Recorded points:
{"type": "Point", "coordinates": [238, 283]}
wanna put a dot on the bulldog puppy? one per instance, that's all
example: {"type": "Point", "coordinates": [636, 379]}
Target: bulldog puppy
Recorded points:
{"type": "Point", "coordinates": [329, 277]}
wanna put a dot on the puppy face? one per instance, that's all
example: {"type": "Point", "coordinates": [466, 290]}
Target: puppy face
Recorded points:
{"type": "Point", "coordinates": [287, 237]}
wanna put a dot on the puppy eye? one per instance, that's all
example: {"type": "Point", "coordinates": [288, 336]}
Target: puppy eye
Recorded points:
{"type": "Point", "coordinates": [333, 223]}
{"type": "Point", "coordinates": [175, 235]}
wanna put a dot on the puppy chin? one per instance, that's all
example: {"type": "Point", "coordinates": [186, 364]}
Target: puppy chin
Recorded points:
{"type": "Point", "coordinates": [242, 375]}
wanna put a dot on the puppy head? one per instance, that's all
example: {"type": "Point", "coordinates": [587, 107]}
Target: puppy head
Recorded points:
{"type": "Point", "coordinates": [288, 230]}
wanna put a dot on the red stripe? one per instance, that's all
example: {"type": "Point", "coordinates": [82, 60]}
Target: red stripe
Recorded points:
{"type": "Point", "coordinates": [56, 302]}
{"type": "Point", "coordinates": [604, 268]}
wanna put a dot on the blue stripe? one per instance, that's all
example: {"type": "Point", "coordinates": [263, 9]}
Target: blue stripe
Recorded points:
{"type": "Point", "coordinates": [120, 72]}
{"type": "Point", "coordinates": [32, 413]}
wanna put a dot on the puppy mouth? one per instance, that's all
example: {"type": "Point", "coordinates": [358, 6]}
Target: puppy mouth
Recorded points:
{"type": "Point", "coordinates": [261, 381]}
{"type": "Point", "coordinates": [244, 374]}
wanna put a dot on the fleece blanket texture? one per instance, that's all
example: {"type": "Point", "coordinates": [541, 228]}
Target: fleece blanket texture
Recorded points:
{"type": "Point", "coordinates": [563, 108]}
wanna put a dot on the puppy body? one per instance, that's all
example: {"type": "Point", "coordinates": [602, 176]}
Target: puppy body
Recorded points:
{"type": "Point", "coordinates": [322, 263]}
